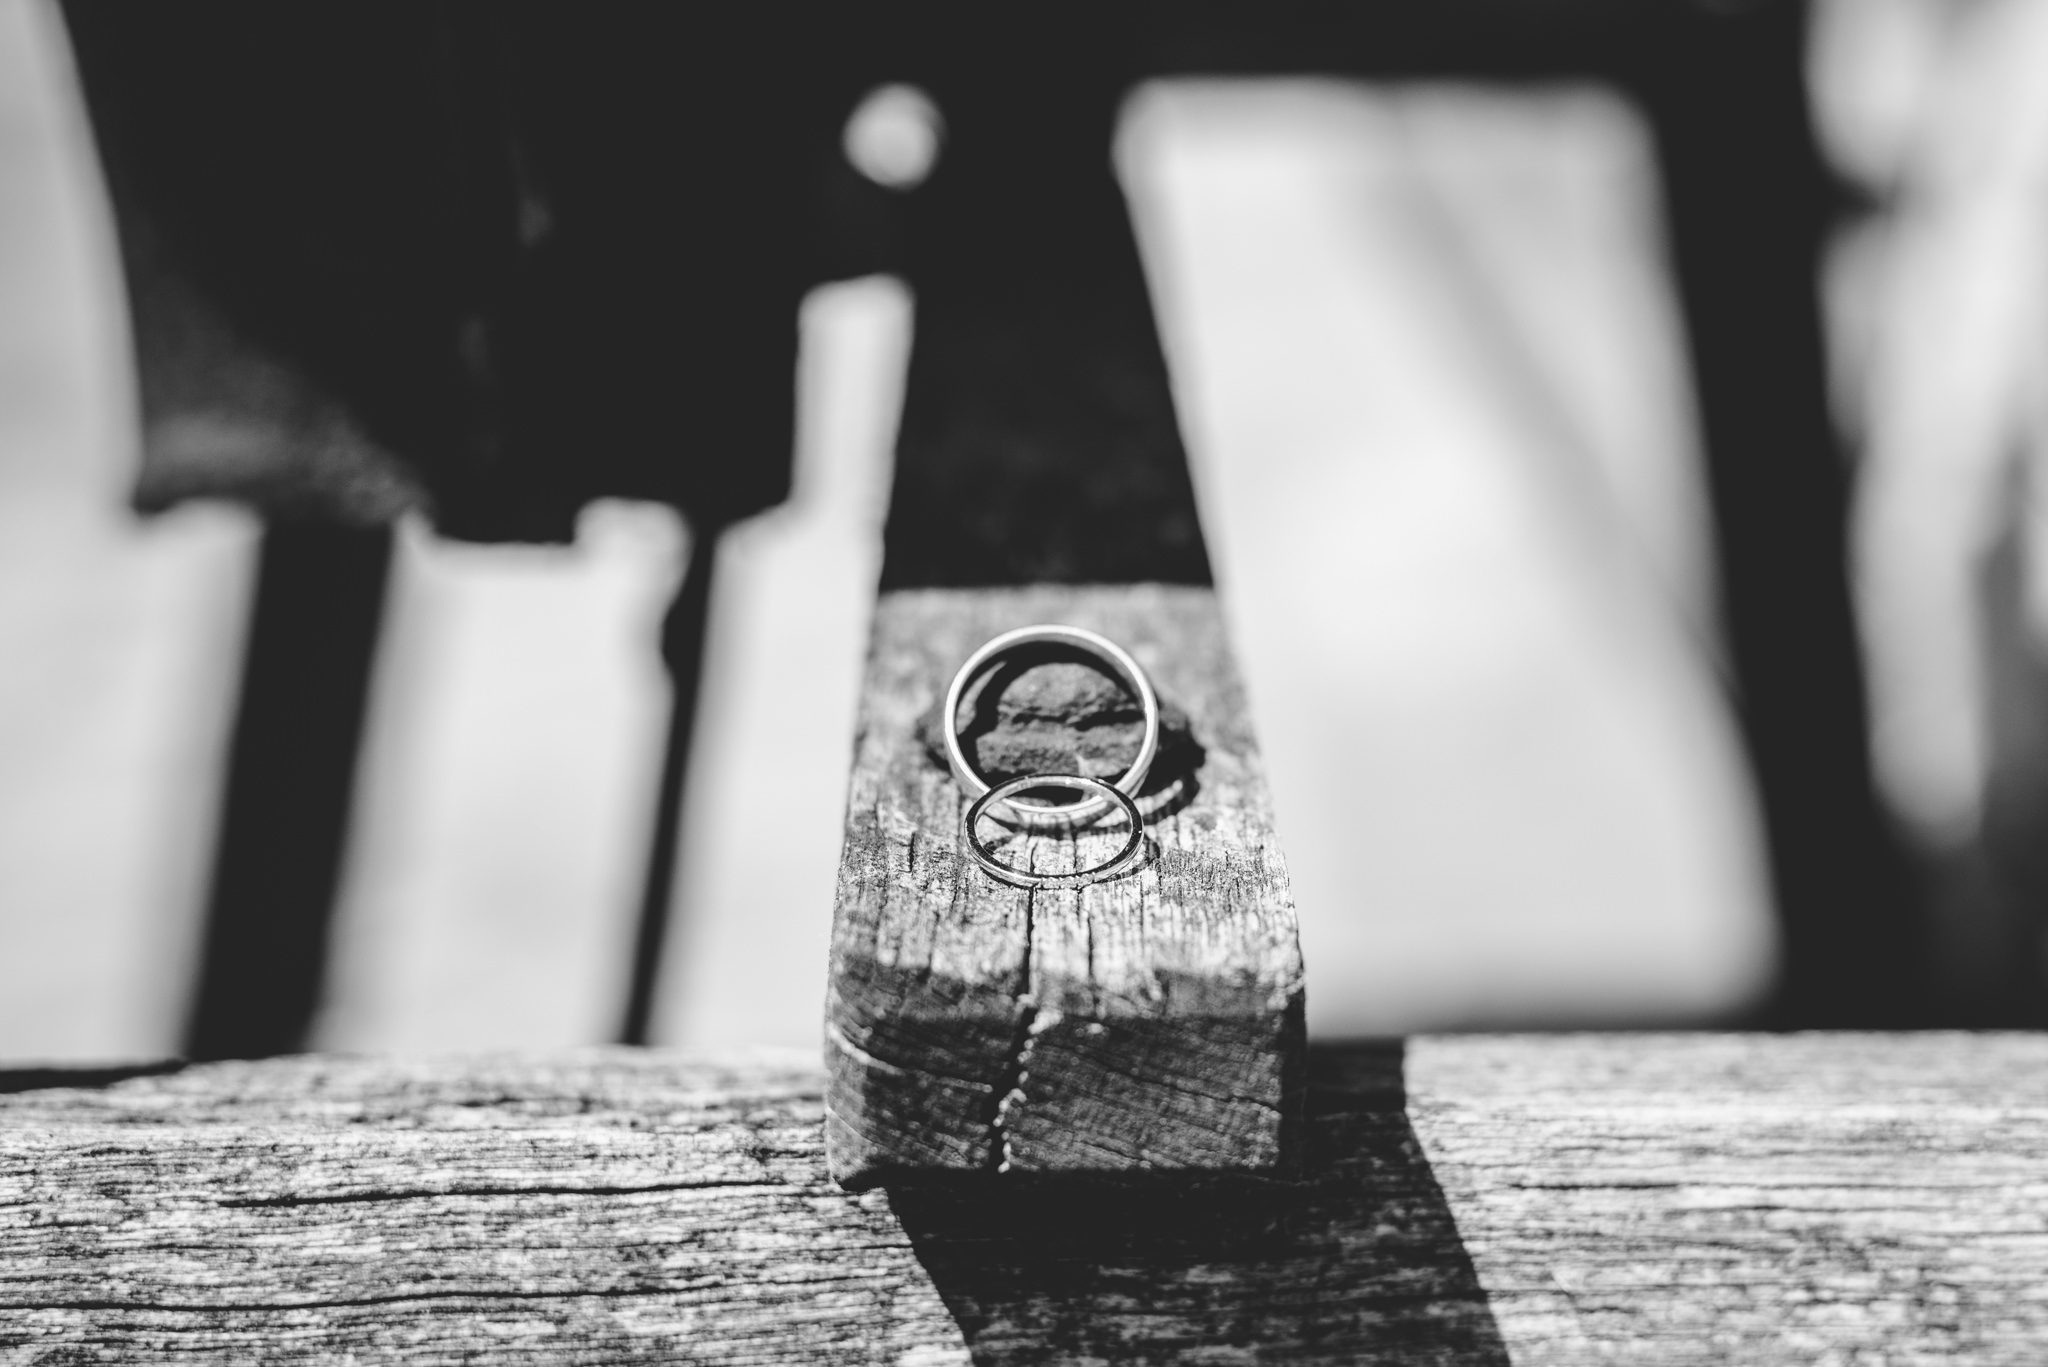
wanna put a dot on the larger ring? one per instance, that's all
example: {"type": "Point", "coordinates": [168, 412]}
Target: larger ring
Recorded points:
{"type": "Point", "coordinates": [1081, 878]}
{"type": "Point", "coordinates": [1102, 648]}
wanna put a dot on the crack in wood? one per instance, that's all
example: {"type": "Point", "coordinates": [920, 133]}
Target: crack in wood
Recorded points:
{"type": "Point", "coordinates": [489, 1193]}
{"type": "Point", "coordinates": [1149, 1020]}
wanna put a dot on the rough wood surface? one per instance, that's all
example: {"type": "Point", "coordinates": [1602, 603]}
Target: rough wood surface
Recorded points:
{"type": "Point", "coordinates": [1709, 1199]}
{"type": "Point", "coordinates": [1153, 1020]}
{"type": "Point", "coordinates": [595, 1208]}
{"type": "Point", "coordinates": [1639, 1199]}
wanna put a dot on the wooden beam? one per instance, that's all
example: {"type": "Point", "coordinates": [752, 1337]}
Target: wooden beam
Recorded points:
{"type": "Point", "coordinates": [1150, 1021]}
{"type": "Point", "coordinates": [1470, 1200]}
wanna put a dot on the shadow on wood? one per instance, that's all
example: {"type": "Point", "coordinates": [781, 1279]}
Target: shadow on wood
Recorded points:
{"type": "Point", "coordinates": [1360, 1261]}
{"type": "Point", "coordinates": [1052, 710]}
{"type": "Point", "coordinates": [1640, 1199]}
{"type": "Point", "coordinates": [13, 1080]}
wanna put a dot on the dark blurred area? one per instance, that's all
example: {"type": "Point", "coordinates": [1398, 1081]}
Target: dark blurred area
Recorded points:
{"type": "Point", "coordinates": [1613, 425]}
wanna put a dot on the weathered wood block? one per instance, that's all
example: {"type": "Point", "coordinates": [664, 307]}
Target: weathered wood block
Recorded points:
{"type": "Point", "coordinates": [1150, 1021]}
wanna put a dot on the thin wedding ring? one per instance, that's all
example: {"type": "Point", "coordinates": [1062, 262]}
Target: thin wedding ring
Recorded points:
{"type": "Point", "coordinates": [1080, 878]}
{"type": "Point", "coordinates": [1102, 648]}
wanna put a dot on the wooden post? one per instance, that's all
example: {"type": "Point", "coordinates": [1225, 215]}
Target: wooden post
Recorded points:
{"type": "Point", "coordinates": [1153, 1021]}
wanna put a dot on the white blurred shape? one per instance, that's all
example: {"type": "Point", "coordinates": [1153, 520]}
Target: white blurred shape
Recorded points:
{"type": "Point", "coordinates": [118, 639]}
{"type": "Point", "coordinates": [793, 592]}
{"type": "Point", "coordinates": [1953, 403]}
{"type": "Point", "coordinates": [894, 136]}
{"type": "Point", "coordinates": [1433, 396]}
{"type": "Point", "coordinates": [503, 807]}
{"type": "Point", "coordinates": [117, 676]}
{"type": "Point", "coordinates": [1873, 68]}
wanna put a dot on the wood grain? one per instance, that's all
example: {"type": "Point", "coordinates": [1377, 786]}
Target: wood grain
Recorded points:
{"type": "Point", "coordinates": [1707, 1199]}
{"type": "Point", "coordinates": [1640, 1199]}
{"type": "Point", "coordinates": [1151, 1021]}
{"type": "Point", "coordinates": [594, 1208]}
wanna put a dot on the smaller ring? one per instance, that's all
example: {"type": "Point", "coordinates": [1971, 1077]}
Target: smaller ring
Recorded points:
{"type": "Point", "coordinates": [1074, 638]}
{"type": "Point", "coordinates": [1079, 783]}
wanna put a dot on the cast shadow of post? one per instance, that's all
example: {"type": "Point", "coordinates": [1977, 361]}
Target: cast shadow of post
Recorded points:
{"type": "Point", "coordinates": [1356, 1260]}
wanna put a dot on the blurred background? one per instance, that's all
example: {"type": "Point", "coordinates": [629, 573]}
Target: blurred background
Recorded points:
{"type": "Point", "coordinates": [1437, 358]}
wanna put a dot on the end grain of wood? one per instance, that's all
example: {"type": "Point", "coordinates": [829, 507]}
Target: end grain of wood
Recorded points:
{"type": "Point", "coordinates": [1148, 1022]}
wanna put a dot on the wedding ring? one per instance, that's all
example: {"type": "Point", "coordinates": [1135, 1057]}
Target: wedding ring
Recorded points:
{"type": "Point", "coordinates": [1089, 643]}
{"type": "Point", "coordinates": [1101, 792]}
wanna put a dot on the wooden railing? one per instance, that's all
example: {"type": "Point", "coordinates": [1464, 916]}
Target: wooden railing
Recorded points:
{"type": "Point", "coordinates": [1474, 1200]}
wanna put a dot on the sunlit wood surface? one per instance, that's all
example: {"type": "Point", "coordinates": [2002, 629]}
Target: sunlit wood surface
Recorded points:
{"type": "Point", "coordinates": [1466, 1200]}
